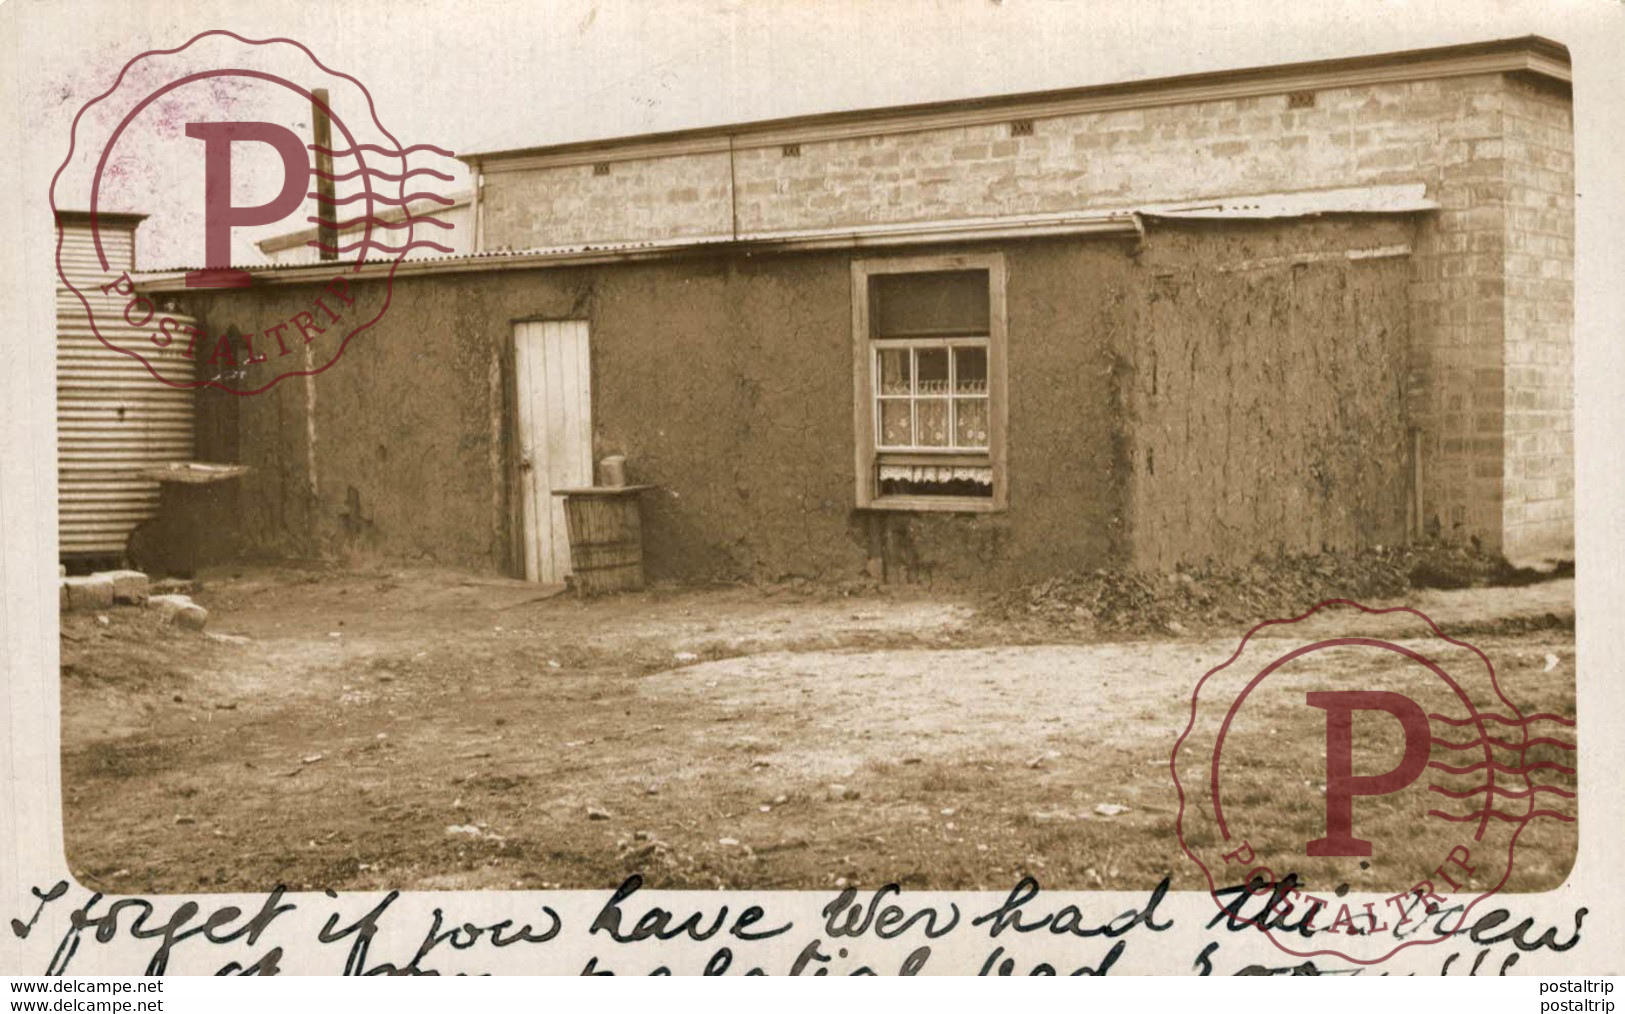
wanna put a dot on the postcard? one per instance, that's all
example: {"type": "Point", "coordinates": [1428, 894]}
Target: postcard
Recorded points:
{"type": "Point", "coordinates": [708, 487]}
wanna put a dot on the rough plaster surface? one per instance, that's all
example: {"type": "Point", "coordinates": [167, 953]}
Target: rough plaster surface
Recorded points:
{"type": "Point", "coordinates": [728, 383]}
{"type": "Point", "coordinates": [1269, 409]}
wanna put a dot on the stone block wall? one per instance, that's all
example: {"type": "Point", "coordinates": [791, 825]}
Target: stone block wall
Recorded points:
{"type": "Point", "coordinates": [1539, 392]}
{"type": "Point", "coordinates": [637, 200]}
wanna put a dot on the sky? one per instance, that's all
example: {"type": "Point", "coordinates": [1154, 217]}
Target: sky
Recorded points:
{"type": "Point", "coordinates": [481, 75]}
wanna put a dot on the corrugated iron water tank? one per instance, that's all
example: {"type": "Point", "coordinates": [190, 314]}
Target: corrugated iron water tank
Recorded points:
{"type": "Point", "coordinates": [114, 419]}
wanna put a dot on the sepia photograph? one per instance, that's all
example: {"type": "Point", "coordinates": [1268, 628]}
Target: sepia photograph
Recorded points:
{"type": "Point", "coordinates": [1040, 461]}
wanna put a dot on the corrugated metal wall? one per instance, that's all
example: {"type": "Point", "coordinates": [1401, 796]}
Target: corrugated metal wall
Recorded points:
{"type": "Point", "coordinates": [113, 417]}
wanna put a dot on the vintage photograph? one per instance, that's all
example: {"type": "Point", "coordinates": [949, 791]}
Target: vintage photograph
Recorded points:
{"type": "Point", "coordinates": [851, 493]}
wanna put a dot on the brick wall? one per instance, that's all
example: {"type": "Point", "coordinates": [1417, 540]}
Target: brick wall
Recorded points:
{"type": "Point", "coordinates": [639, 199]}
{"type": "Point", "coordinates": [1457, 401]}
{"type": "Point", "coordinates": [1490, 288]}
{"type": "Point", "coordinates": [1420, 131]}
{"type": "Point", "coordinates": [1539, 317]}
{"type": "Point", "coordinates": [1387, 133]}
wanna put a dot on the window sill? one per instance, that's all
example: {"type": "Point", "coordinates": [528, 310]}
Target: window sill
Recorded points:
{"type": "Point", "coordinates": [935, 504]}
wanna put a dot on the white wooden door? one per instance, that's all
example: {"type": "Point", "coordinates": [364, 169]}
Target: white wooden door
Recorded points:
{"type": "Point", "coordinates": [553, 383]}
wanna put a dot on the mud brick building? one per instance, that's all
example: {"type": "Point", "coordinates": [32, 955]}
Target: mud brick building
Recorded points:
{"type": "Point", "coordinates": [1283, 309]}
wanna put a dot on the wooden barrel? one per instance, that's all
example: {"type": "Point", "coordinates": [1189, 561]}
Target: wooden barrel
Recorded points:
{"type": "Point", "coordinates": [606, 541]}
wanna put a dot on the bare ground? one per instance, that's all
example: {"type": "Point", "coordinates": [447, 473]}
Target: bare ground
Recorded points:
{"type": "Point", "coordinates": [427, 730]}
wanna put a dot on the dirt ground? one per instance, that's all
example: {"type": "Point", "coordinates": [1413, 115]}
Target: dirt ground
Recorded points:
{"type": "Point", "coordinates": [422, 730]}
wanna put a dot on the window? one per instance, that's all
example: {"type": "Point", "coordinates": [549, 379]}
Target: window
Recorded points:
{"type": "Point", "coordinates": [929, 355]}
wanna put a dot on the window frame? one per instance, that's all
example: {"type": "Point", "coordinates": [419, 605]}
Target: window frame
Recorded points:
{"type": "Point", "coordinates": [868, 455]}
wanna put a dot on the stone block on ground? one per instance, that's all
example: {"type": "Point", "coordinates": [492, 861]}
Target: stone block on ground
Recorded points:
{"type": "Point", "coordinates": [179, 610]}
{"type": "Point", "coordinates": [130, 587]}
{"type": "Point", "coordinates": [93, 591]}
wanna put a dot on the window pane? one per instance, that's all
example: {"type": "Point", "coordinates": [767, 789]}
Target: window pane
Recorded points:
{"type": "Point", "coordinates": [970, 370]}
{"type": "Point", "coordinates": [933, 371]}
{"type": "Point", "coordinates": [894, 371]}
{"type": "Point", "coordinates": [895, 428]}
{"type": "Point", "coordinates": [929, 303]}
{"type": "Point", "coordinates": [933, 420]}
{"type": "Point", "coordinates": [970, 422]}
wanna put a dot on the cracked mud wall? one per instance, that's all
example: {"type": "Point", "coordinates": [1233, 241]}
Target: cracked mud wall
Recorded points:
{"type": "Point", "coordinates": [714, 378]}
{"type": "Point", "coordinates": [398, 468]}
{"type": "Point", "coordinates": [1269, 390]}
{"type": "Point", "coordinates": [727, 382]}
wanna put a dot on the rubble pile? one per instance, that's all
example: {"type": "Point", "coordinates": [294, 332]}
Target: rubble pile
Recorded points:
{"type": "Point", "coordinates": [1465, 565]}
{"type": "Point", "coordinates": [105, 589]}
{"type": "Point", "coordinates": [1133, 602]}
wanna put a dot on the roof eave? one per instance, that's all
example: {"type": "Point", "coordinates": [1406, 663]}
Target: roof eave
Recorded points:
{"type": "Point", "coordinates": [1531, 54]}
{"type": "Point", "coordinates": [1107, 223]}
{"type": "Point", "coordinates": [75, 216]}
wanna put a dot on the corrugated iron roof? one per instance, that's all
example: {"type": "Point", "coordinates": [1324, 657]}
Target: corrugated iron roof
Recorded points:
{"type": "Point", "coordinates": [148, 277]}
{"type": "Point", "coordinates": [1393, 199]}
{"type": "Point", "coordinates": [1124, 221]}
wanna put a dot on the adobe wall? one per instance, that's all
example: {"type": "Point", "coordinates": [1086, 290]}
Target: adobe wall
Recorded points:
{"type": "Point", "coordinates": [1268, 396]}
{"type": "Point", "coordinates": [727, 382]}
